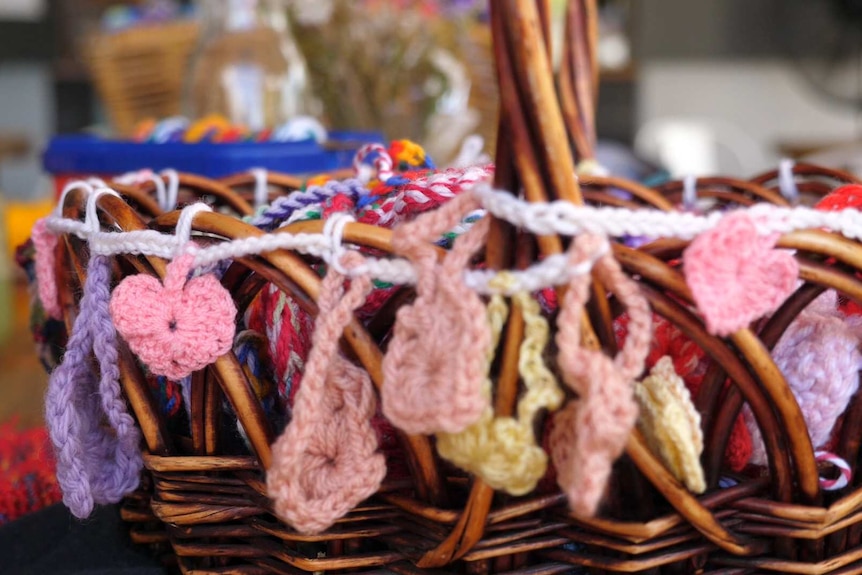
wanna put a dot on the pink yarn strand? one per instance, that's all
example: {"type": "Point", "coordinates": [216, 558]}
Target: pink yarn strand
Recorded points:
{"type": "Point", "coordinates": [45, 244]}
{"type": "Point", "coordinates": [591, 432]}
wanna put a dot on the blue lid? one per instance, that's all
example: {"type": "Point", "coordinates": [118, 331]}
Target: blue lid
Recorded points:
{"type": "Point", "coordinates": [94, 155]}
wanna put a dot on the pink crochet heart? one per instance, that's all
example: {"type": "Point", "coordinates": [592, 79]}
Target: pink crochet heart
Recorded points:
{"type": "Point", "coordinates": [736, 276]}
{"type": "Point", "coordinates": [177, 327]}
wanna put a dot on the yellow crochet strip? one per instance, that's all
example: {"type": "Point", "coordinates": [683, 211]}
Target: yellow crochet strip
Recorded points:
{"type": "Point", "coordinates": [503, 450]}
{"type": "Point", "coordinates": [671, 424]}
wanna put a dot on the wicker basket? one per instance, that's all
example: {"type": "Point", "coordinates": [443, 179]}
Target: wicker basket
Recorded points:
{"type": "Point", "coordinates": [211, 506]}
{"type": "Point", "coordinates": [139, 73]}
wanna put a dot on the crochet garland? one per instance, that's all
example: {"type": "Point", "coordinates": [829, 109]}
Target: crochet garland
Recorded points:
{"type": "Point", "coordinates": [446, 392]}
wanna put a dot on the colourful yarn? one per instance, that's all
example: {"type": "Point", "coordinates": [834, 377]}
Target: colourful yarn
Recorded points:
{"type": "Point", "coordinates": [845, 472]}
{"type": "Point", "coordinates": [251, 349]}
{"type": "Point", "coordinates": [176, 327]}
{"type": "Point", "coordinates": [409, 155]}
{"type": "Point", "coordinates": [93, 466]}
{"type": "Point", "coordinates": [435, 365]}
{"type": "Point", "coordinates": [591, 432]}
{"type": "Point", "coordinates": [417, 192]}
{"type": "Point", "coordinates": [372, 161]}
{"type": "Point", "coordinates": [670, 423]}
{"type": "Point", "coordinates": [168, 394]}
{"type": "Point", "coordinates": [326, 461]}
{"type": "Point", "coordinates": [288, 330]}
{"type": "Point", "coordinates": [281, 209]}
{"type": "Point", "coordinates": [45, 243]}
{"type": "Point", "coordinates": [385, 205]}
{"type": "Point", "coordinates": [503, 450]}
{"type": "Point", "coordinates": [735, 275]}
{"type": "Point", "coordinates": [820, 359]}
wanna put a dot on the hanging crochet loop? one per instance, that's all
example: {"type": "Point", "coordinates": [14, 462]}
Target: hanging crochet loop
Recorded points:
{"type": "Point", "coordinates": [91, 217]}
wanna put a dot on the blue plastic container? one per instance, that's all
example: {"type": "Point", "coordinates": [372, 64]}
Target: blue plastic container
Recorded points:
{"type": "Point", "coordinates": [70, 157]}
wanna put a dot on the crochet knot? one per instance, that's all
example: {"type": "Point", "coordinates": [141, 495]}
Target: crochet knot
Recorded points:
{"type": "Point", "coordinates": [176, 327]}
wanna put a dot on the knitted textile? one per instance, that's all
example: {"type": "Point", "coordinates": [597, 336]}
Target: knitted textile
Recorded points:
{"type": "Point", "coordinates": [591, 432]}
{"type": "Point", "coordinates": [435, 365]}
{"type": "Point", "coordinates": [176, 327]}
{"type": "Point", "coordinates": [326, 461]}
{"type": "Point", "coordinates": [735, 275]}
{"type": "Point", "coordinates": [93, 465]}
{"type": "Point", "coordinates": [820, 359]}
{"type": "Point", "coordinates": [671, 424]}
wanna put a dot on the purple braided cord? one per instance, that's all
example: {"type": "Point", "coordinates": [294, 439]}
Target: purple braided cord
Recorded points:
{"type": "Point", "coordinates": [93, 466]}
{"type": "Point", "coordinates": [282, 208]}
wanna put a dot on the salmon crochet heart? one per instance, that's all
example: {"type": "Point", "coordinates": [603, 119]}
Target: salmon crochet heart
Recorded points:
{"type": "Point", "coordinates": [177, 327]}
{"type": "Point", "coordinates": [735, 274]}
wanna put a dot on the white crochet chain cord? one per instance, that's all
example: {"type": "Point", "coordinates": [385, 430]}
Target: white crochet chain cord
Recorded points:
{"type": "Point", "coordinates": [569, 219]}
{"type": "Point", "coordinates": [543, 219]}
{"type": "Point", "coordinates": [554, 270]}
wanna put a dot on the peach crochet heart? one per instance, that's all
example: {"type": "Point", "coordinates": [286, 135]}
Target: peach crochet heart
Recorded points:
{"type": "Point", "coordinates": [735, 274]}
{"type": "Point", "coordinates": [177, 327]}
{"type": "Point", "coordinates": [435, 365]}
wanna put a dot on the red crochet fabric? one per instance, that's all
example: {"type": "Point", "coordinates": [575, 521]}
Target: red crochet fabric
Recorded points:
{"type": "Point", "coordinates": [845, 197]}
{"type": "Point", "coordinates": [27, 480]}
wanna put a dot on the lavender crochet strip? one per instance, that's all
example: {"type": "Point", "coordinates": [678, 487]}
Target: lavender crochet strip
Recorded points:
{"type": "Point", "coordinates": [93, 465]}
{"type": "Point", "coordinates": [282, 208]}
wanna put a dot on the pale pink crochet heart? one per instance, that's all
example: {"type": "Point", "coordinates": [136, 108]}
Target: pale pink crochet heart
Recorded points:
{"type": "Point", "coordinates": [177, 327]}
{"type": "Point", "coordinates": [735, 274]}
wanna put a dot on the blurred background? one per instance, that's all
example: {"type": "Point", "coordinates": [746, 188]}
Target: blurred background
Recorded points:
{"type": "Point", "coordinates": [714, 86]}
{"type": "Point", "coordinates": [760, 80]}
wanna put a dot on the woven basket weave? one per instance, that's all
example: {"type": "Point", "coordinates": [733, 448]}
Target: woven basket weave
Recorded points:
{"type": "Point", "coordinates": [208, 508]}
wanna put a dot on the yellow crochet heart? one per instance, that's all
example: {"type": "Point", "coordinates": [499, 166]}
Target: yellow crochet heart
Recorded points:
{"type": "Point", "coordinates": [671, 424]}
